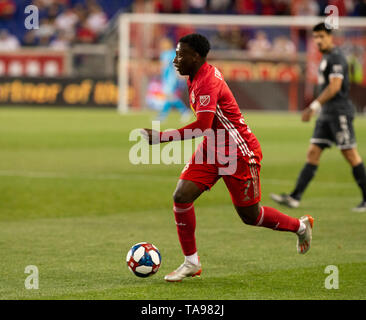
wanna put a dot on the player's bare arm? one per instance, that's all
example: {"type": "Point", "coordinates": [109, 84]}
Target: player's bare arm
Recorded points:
{"type": "Point", "coordinates": [328, 93]}
{"type": "Point", "coordinates": [151, 135]}
{"type": "Point", "coordinates": [193, 130]}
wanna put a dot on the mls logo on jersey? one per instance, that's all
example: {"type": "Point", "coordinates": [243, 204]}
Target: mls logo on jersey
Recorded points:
{"type": "Point", "coordinates": [204, 100]}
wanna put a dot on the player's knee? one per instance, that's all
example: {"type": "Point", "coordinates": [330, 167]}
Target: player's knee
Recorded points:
{"type": "Point", "coordinates": [313, 155]}
{"type": "Point", "coordinates": [179, 196]}
{"type": "Point", "coordinates": [186, 192]}
{"type": "Point", "coordinates": [248, 215]}
{"type": "Point", "coordinates": [352, 156]}
{"type": "Point", "coordinates": [250, 219]}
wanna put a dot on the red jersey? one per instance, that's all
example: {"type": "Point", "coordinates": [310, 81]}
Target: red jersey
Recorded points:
{"type": "Point", "coordinates": [208, 92]}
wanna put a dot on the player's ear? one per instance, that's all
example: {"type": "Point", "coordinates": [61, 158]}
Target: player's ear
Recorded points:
{"type": "Point", "coordinates": [197, 57]}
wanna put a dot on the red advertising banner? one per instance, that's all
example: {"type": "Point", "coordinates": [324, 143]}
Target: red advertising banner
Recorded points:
{"type": "Point", "coordinates": [32, 64]}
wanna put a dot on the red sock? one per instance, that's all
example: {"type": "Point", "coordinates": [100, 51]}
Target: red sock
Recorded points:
{"type": "Point", "coordinates": [185, 219]}
{"type": "Point", "coordinates": [273, 219]}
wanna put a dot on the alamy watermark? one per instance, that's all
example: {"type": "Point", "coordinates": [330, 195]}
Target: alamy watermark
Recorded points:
{"type": "Point", "coordinates": [220, 148]}
{"type": "Point", "coordinates": [32, 19]}
{"type": "Point", "coordinates": [331, 281]}
{"type": "Point", "coordinates": [32, 281]}
{"type": "Point", "coordinates": [332, 18]}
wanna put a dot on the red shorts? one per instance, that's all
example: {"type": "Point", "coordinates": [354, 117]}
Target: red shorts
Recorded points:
{"type": "Point", "coordinates": [243, 184]}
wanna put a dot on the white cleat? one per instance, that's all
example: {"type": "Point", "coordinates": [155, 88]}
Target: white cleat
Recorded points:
{"type": "Point", "coordinates": [285, 199]}
{"type": "Point", "coordinates": [186, 269]}
{"type": "Point", "coordinates": [304, 239]}
{"type": "Point", "coordinates": [360, 208]}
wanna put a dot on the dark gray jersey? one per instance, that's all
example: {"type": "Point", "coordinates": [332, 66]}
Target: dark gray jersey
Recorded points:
{"type": "Point", "coordinates": [334, 64]}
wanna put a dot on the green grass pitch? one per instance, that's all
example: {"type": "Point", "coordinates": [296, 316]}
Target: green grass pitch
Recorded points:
{"type": "Point", "coordinates": [72, 204]}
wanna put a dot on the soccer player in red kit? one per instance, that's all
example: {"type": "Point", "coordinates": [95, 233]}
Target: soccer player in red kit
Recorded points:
{"type": "Point", "coordinates": [217, 111]}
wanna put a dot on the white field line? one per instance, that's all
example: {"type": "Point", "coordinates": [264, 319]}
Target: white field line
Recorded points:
{"type": "Point", "coordinates": [116, 176]}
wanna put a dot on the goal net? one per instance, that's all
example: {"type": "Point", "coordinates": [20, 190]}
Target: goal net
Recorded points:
{"type": "Point", "coordinates": [270, 63]}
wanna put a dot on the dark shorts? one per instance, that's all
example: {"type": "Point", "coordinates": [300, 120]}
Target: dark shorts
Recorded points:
{"type": "Point", "coordinates": [334, 129]}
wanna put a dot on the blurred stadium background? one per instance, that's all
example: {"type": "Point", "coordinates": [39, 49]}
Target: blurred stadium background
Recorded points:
{"type": "Point", "coordinates": [72, 59]}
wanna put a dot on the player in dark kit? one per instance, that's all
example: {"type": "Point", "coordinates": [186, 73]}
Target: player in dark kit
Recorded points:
{"type": "Point", "coordinates": [217, 112]}
{"type": "Point", "coordinates": [335, 121]}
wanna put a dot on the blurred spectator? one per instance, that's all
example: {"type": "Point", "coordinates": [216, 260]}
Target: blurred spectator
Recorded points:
{"type": "Point", "coordinates": [342, 11]}
{"type": "Point", "coordinates": [350, 7]}
{"type": "Point", "coordinates": [169, 6]}
{"type": "Point", "coordinates": [282, 7]}
{"type": "Point", "coordinates": [267, 8]}
{"type": "Point", "coordinates": [8, 42]}
{"type": "Point", "coordinates": [67, 21]}
{"type": "Point", "coordinates": [49, 9]}
{"type": "Point", "coordinates": [220, 39]}
{"type": "Point", "coordinates": [246, 7]}
{"type": "Point", "coordinates": [7, 9]}
{"type": "Point", "coordinates": [85, 34]}
{"type": "Point", "coordinates": [229, 37]}
{"type": "Point", "coordinates": [54, 10]}
{"type": "Point", "coordinates": [283, 46]}
{"type": "Point", "coordinates": [305, 8]}
{"type": "Point", "coordinates": [197, 6]}
{"type": "Point", "coordinates": [30, 39]}
{"type": "Point", "coordinates": [355, 61]}
{"type": "Point", "coordinates": [46, 31]}
{"type": "Point", "coordinates": [80, 11]}
{"type": "Point", "coordinates": [239, 38]}
{"type": "Point", "coordinates": [259, 45]}
{"type": "Point", "coordinates": [49, 3]}
{"type": "Point", "coordinates": [322, 5]}
{"type": "Point", "coordinates": [97, 19]}
{"type": "Point", "coordinates": [360, 8]}
{"type": "Point", "coordinates": [61, 42]}
{"type": "Point", "coordinates": [219, 6]}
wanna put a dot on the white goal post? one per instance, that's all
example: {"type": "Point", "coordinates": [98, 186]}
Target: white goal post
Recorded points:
{"type": "Point", "coordinates": [127, 20]}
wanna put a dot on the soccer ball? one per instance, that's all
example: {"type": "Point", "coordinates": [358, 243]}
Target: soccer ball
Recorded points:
{"type": "Point", "coordinates": [143, 259]}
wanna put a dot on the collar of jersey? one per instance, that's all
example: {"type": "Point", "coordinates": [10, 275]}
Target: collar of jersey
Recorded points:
{"type": "Point", "coordinates": [200, 70]}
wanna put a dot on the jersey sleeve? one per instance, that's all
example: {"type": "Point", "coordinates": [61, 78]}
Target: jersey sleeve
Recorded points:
{"type": "Point", "coordinates": [207, 97]}
{"type": "Point", "coordinates": [203, 122]}
{"type": "Point", "coordinates": [337, 67]}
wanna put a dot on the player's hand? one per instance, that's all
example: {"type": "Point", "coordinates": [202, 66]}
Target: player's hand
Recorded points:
{"type": "Point", "coordinates": [313, 108]}
{"type": "Point", "coordinates": [152, 136]}
{"type": "Point", "coordinates": [307, 114]}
